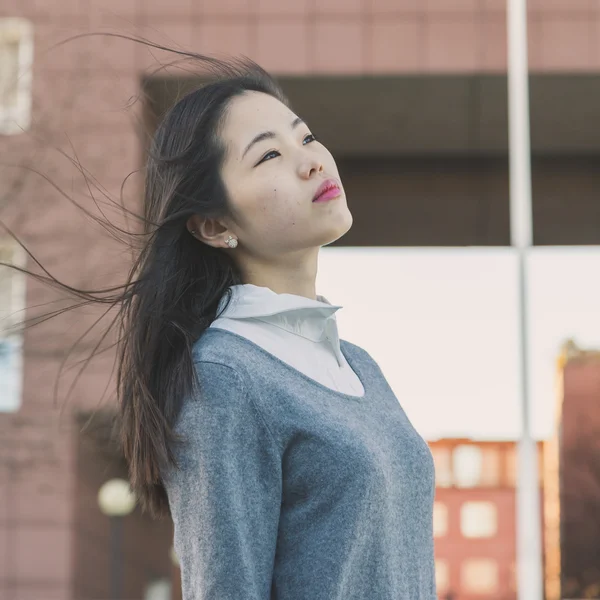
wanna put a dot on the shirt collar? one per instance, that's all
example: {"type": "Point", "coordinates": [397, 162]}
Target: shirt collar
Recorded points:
{"type": "Point", "coordinates": [311, 319]}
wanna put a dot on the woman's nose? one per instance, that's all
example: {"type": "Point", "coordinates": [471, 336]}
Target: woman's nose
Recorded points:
{"type": "Point", "coordinates": [310, 166]}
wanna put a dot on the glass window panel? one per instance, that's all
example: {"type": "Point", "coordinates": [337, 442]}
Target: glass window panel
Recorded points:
{"type": "Point", "coordinates": [442, 575]}
{"type": "Point", "coordinates": [16, 58]}
{"type": "Point", "coordinates": [467, 465]}
{"type": "Point", "coordinates": [9, 70]}
{"type": "Point", "coordinates": [512, 578]}
{"type": "Point", "coordinates": [478, 519]}
{"type": "Point", "coordinates": [440, 519]}
{"type": "Point", "coordinates": [479, 576]}
{"type": "Point", "coordinates": [12, 302]}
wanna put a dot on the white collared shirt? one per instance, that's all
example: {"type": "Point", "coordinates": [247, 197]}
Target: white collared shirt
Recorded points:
{"type": "Point", "coordinates": [299, 331]}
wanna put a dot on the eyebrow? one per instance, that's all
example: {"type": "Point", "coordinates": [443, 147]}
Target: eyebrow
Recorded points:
{"type": "Point", "coordinates": [268, 135]}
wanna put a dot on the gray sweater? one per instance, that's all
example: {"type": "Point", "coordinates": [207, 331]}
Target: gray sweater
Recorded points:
{"type": "Point", "coordinates": [289, 490]}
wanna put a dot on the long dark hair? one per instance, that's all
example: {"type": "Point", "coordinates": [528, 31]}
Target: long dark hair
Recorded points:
{"type": "Point", "coordinates": [172, 292]}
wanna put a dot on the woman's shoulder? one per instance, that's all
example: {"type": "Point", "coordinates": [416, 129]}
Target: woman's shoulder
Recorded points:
{"type": "Point", "coordinates": [212, 345]}
{"type": "Point", "coordinates": [223, 383]}
{"type": "Point", "coordinates": [226, 352]}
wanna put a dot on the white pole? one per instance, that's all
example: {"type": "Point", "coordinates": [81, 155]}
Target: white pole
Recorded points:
{"type": "Point", "coordinates": [529, 547]}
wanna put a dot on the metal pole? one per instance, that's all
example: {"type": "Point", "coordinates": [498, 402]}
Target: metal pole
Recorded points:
{"type": "Point", "coordinates": [529, 547]}
{"type": "Point", "coordinates": [116, 557]}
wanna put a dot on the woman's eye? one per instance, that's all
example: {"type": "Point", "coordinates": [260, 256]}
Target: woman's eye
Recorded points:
{"type": "Point", "coordinates": [274, 153]}
{"type": "Point", "coordinates": [268, 156]}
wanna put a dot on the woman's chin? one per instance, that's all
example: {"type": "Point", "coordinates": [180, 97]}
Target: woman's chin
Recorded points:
{"type": "Point", "coordinates": [334, 234]}
{"type": "Point", "coordinates": [346, 223]}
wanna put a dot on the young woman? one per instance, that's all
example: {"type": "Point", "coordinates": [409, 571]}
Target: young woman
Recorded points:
{"type": "Point", "coordinates": [287, 464]}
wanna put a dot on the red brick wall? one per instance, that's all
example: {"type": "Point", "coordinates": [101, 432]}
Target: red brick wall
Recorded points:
{"type": "Point", "coordinates": [580, 478]}
{"type": "Point", "coordinates": [454, 548]}
{"type": "Point", "coordinates": [337, 36]}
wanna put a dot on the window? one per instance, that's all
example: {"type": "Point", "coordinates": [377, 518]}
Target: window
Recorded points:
{"type": "Point", "coordinates": [512, 578]}
{"type": "Point", "coordinates": [442, 576]}
{"type": "Point", "coordinates": [467, 465]}
{"type": "Point", "coordinates": [12, 301]}
{"type": "Point", "coordinates": [16, 58]}
{"type": "Point", "coordinates": [478, 519]}
{"type": "Point", "coordinates": [443, 468]}
{"type": "Point", "coordinates": [490, 472]}
{"type": "Point", "coordinates": [479, 576]}
{"type": "Point", "coordinates": [440, 519]}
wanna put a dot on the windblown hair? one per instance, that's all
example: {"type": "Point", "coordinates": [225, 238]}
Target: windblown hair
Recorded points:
{"type": "Point", "coordinates": [172, 292]}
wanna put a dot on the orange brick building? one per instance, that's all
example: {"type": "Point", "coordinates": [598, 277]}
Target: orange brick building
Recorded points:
{"type": "Point", "coordinates": [475, 518]}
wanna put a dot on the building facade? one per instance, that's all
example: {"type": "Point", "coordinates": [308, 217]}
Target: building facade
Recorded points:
{"type": "Point", "coordinates": [475, 518]}
{"type": "Point", "coordinates": [572, 475]}
{"type": "Point", "coordinates": [392, 86]}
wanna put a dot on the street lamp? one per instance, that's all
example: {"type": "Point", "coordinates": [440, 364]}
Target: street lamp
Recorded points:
{"type": "Point", "coordinates": [176, 593]}
{"type": "Point", "coordinates": [116, 500]}
{"type": "Point", "coordinates": [173, 556]}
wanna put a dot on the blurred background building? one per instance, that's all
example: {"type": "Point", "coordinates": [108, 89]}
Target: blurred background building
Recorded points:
{"type": "Point", "coordinates": [411, 98]}
{"type": "Point", "coordinates": [572, 477]}
{"type": "Point", "coordinates": [475, 518]}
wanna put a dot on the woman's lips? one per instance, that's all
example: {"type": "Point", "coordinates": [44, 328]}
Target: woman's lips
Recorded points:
{"type": "Point", "coordinates": [327, 191]}
{"type": "Point", "coordinates": [330, 194]}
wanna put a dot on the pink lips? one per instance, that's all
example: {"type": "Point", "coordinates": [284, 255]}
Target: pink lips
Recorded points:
{"type": "Point", "coordinates": [327, 191]}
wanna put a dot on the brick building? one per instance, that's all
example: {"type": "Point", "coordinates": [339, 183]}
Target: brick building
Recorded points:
{"type": "Point", "coordinates": [475, 518]}
{"type": "Point", "coordinates": [391, 86]}
{"type": "Point", "coordinates": [572, 475]}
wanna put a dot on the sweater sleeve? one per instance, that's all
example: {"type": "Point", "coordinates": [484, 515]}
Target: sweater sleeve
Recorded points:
{"type": "Point", "coordinates": [225, 498]}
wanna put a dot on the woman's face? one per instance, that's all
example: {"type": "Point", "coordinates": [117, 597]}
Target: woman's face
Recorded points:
{"type": "Point", "coordinates": [271, 181]}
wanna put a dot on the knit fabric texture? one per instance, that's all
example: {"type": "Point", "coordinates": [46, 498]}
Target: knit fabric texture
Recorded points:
{"type": "Point", "coordinates": [289, 490]}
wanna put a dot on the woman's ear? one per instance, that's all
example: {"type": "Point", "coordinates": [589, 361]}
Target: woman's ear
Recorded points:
{"type": "Point", "coordinates": [208, 230]}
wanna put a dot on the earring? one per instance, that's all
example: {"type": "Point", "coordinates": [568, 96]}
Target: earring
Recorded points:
{"type": "Point", "coordinates": [231, 242]}
{"type": "Point", "coordinates": [193, 231]}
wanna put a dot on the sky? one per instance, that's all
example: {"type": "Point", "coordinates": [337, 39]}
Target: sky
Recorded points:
{"type": "Point", "coordinates": [443, 325]}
